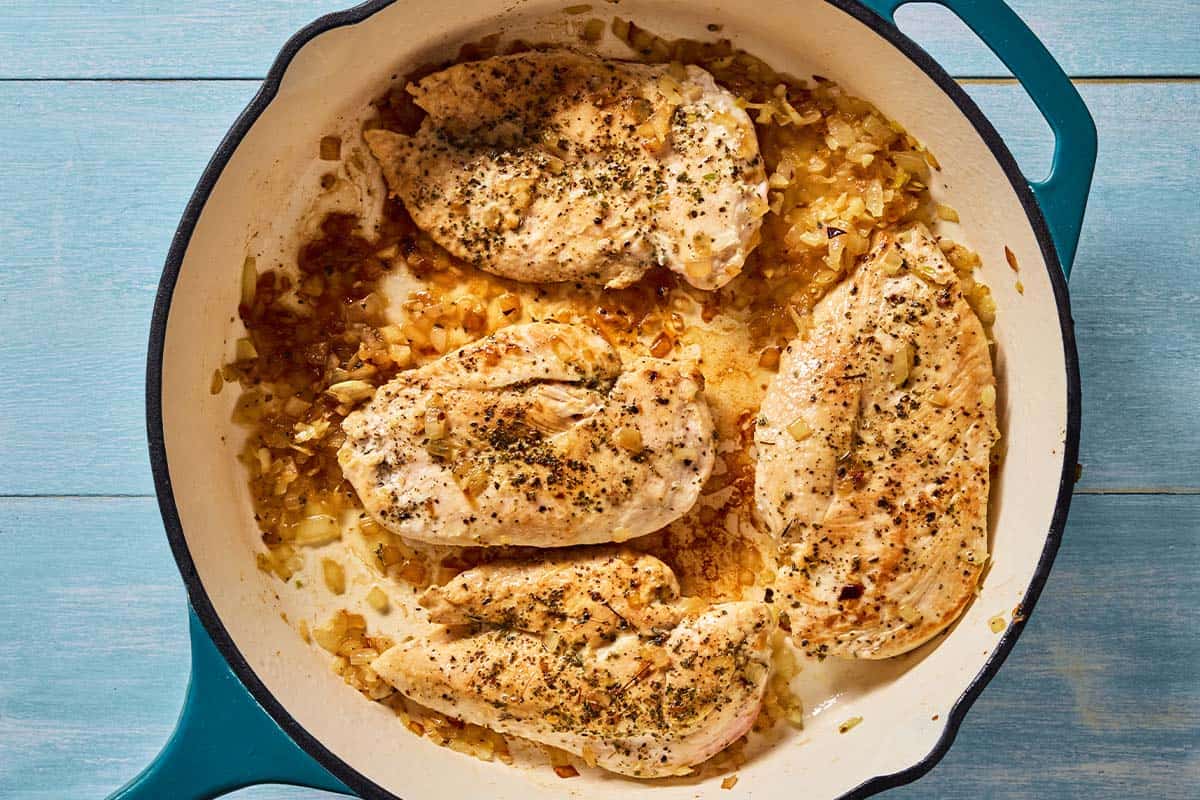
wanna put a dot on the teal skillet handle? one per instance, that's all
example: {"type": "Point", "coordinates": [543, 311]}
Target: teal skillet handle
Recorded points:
{"type": "Point", "coordinates": [1063, 195]}
{"type": "Point", "coordinates": [224, 740]}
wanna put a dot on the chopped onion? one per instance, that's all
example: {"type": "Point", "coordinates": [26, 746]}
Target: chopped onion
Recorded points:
{"type": "Point", "coordinates": [629, 439]}
{"type": "Point", "coordinates": [911, 162]}
{"type": "Point", "coordinates": [244, 350]}
{"type": "Point", "coordinates": [833, 259]}
{"type": "Point", "coordinates": [401, 354]}
{"type": "Point", "coordinates": [972, 556]}
{"type": "Point", "coordinates": [363, 657]}
{"type": "Point", "coordinates": [874, 198]}
{"type": "Point", "coordinates": [351, 392]}
{"type": "Point", "coordinates": [295, 407]}
{"type": "Point", "coordinates": [699, 268]}
{"type": "Point", "coordinates": [892, 262]}
{"type": "Point", "coordinates": [861, 153]}
{"type": "Point", "coordinates": [947, 213]}
{"type": "Point", "coordinates": [811, 238]}
{"type": "Point", "coordinates": [249, 281]}
{"type": "Point", "coordinates": [475, 482]}
{"type": "Point", "coordinates": [902, 361]}
{"type": "Point", "coordinates": [825, 276]}
{"type": "Point", "coordinates": [662, 345]}
{"type": "Point", "coordinates": [508, 304]}
{"type": "Point", "coordinates": [438, 338]}
{"type": "Point", "coordinates": [849, 724]}
{"type": "Point", "coordinates": [330, 635]}
{"type": "Point", "coordinates": [307, 432]}
{"type": "Point", "coordinates": [435, 419]}
{"type": "Point", "coordinates": [778, 180]}
{"type": "Point", "coordinates": [335, 575]}
{"type": "Point", "coordinates": [841, 133]}
{"type": "Point", "coordinates": [378, 599]}
{"type": "Point", "coordinates": [317, 529]}
{"type": "Point", "coordinates": [799, 429]}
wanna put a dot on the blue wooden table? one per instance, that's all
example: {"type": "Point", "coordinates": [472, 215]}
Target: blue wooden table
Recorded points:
{"type": "Point", "coordinates": [109, 110]}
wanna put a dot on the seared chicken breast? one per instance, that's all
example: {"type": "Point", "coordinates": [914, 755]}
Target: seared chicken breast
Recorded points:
{"type": "Point", "coordinates": [873, 450]}
{"type": "Point", "coordinates": [593, 653]}
{"type": "Point", "coordinates": [577, 595]}
{"type": "Point", "coordinates": [553, 166]}
{"type": "Point", "coordinates": [537, 435]}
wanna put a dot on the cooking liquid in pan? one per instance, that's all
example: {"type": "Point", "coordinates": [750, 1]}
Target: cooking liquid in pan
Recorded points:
{"type": "Point", "coordinates": [369, 295]}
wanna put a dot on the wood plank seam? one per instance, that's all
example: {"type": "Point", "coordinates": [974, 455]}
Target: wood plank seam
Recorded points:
{"type": "Point", "coordinates": [196, 37]}
{"type": "Point", "coordinates": [140, 79]}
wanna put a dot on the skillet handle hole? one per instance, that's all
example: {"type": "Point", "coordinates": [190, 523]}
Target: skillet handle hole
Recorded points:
{"type": "Point", "coordinates": [985, 78]}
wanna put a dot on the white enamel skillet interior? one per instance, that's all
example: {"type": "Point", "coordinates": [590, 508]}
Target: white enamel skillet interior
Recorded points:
{"type": "Point", "coordinates": [910, 708]}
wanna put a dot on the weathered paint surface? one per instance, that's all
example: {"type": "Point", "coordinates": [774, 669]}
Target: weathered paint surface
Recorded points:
{"type": "Point", "coordinates": [1101, 698]}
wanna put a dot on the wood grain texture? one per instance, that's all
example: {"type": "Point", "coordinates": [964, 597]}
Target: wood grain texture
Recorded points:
{"type": "Point", "coordinates": [1135, 286]}
{"type": "Point", "coordinates": [87, 212]}
{"type": "Point", "coordinates": [219, 38]}
{"type": "Point", "coordinates": [1087, 37]}
{"type": "Point", "coordinates": [1100, 699]}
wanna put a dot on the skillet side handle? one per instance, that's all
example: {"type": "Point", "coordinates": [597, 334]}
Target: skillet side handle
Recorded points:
{"type": "Point", "coordinates": [224, 740]}
{"type": "Point", "coordinates": [1063, 195]}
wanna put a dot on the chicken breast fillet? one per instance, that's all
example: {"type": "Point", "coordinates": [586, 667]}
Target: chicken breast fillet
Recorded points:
{"type": "Point", "coordinates": [873, 448]}
{"type": "Point", "coordinates": [537, 435]}
{"type": "Point", "coordinates": [553, 166]}
{"type": "Point", "coordinates": [564, 652]}
{"type": "Point", "coordinates": [564, 588]}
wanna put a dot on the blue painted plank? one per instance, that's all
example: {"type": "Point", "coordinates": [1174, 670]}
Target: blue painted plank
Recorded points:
{"type": "Point", "coordinates": [1100, 699]}
{"type": "Point", "coordinates": [102, 171]}
{"type": "Point", "coordinates": [97, 177]}
{"type": "Point", "coordinates": [94, 656]}
{"type": "Point", "coordinates": [1135, 287]}
{"type": "Point", "coordinates": [220, 38]}
{"type": "Point", "coordinates": [163, 39]}
{"type": "Point", "coordinates": [93, 662]}
{"type": "Point", "coordinates": [1095, 38]}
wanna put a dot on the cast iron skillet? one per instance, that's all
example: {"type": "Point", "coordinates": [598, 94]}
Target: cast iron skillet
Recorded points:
{"type": "Point", "coordinates": [233, 732]}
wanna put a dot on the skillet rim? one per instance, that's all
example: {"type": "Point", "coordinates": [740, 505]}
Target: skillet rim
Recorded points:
{"type": "Point", "coordinates": [198, 597]}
